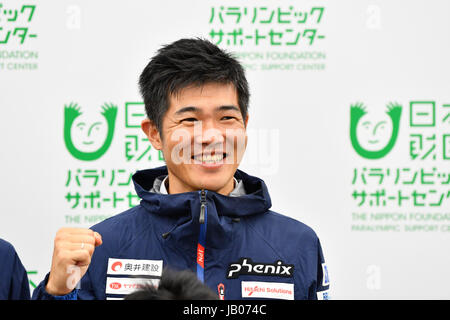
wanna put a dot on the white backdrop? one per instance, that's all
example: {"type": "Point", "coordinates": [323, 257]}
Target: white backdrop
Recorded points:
{"type": "Point", "coordinates": [384, 223]}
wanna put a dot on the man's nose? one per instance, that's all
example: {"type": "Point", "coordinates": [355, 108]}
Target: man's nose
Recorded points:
{"type": "Point", "coordinates": [206, 132]}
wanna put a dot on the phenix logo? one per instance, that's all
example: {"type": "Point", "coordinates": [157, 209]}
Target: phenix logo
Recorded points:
{"type": "Point", "coordinates": [245, 266]}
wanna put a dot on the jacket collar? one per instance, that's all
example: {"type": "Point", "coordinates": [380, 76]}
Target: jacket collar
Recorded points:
{"type": "Point", "coordinates": [255, 200]}
{"type": "Point", "coordinates": [159, 186]}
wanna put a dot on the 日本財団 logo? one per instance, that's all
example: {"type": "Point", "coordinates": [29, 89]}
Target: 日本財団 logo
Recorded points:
{"type": "Point", "coordinates": [410, 192]}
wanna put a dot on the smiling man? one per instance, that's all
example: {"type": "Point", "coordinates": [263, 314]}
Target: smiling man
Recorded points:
{"type": "Point", "coordinates": [199, 212]}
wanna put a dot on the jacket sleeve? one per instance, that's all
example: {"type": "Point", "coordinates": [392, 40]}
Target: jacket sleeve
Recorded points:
{"type": "Point", "coordinates": [40, 293]}
{"type": "Point", "coordinates": [77, 294]}
{"type": "Point", "coordinates": [85, 289]}
{"type": "Point", "coordinates": [20, 288]}
{"type": "Point", "coordinates": [320, 289]}
{"type": "Point", "coordinates": [13, 277]}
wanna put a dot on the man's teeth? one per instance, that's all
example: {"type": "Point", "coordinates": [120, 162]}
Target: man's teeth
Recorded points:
{"type": "Point", "coordinates": [209, 158]}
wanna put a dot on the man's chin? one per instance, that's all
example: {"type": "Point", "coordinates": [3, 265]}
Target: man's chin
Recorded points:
{"type": "Point", "coordinates": [211, 185]}
{"type": "Point", "coordinates": [196, 177]}
{"type": "Point", "coordinates": [209, 182]}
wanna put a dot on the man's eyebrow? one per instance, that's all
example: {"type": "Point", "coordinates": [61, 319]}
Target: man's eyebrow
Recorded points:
{"type": "Point", "coordinates": [226, 108]}
{"type": "Point", "coordinates": [188, 109]}
{"type": "Point", "coordinates": [199, 110]}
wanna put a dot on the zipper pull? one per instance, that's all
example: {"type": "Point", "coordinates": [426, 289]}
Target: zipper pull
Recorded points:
{"type": "Point", "coordinates": [221, 291]}
{"type": "Point", "coordinates": [202, 207]}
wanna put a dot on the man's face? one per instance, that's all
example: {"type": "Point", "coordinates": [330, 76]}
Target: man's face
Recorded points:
{"type": "Point", "coordinates": [203, 138]}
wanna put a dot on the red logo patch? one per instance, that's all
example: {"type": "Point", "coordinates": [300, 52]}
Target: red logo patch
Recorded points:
{"type": "Point", "coordinates": [201, 255]}
{"type": "Point", "coordinates": [116, 266]}
{"type": "Point", "coordinates": [115, 285]}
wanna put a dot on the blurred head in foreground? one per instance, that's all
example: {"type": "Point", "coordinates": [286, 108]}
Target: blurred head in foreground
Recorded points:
{"type": "Point", "coordinates": [175, 285]}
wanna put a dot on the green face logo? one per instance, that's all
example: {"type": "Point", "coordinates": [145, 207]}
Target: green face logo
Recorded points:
{"type": "Point", "coordinates": [88, 140]}
{"type": "Point", "coordinates": [374, 139]}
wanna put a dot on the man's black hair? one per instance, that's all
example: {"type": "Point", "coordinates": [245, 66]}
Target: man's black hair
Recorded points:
{"type": "Point", "coordinates": [184, 63]}
{"type": "Point", "coordinates": [175, 285]}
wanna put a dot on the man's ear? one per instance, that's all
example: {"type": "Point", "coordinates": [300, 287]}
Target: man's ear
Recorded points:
{"type": "Point", "coordinates": [246, 120]}
{"type": "Point", "coordinates": [152, 133]}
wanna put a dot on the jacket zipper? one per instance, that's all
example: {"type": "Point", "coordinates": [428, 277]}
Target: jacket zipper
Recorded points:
{"type": "Point", "coordinates": [202, 207]}
{"type": "Point", "coordinates": [203, 218]}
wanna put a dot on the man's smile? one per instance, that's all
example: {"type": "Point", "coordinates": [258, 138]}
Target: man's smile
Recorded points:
{"type": "Point", "coordinates": [214, 159]}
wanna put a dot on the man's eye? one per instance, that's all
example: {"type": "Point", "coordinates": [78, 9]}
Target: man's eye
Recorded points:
{"type": "Point", "coordinates": [228, 118]}
{"type": "Point", "coordinates": [189, 119]}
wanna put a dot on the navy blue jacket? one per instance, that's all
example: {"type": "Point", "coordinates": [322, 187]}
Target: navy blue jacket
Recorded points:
{"type": "Point", "coordinates": [13, 277]}
{"type": "Point", "coordinates": [236, 245]}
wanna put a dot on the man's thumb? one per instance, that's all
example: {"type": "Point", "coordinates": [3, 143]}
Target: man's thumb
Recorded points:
{"type": "Point", "coordinates": [98, 239]}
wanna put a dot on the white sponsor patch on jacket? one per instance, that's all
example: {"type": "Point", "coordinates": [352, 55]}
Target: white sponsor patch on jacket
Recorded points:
{"type": "Point", "coordinates": [323, 295]}
{"type": "Point", "coordinates": [135, 267]}
{"type": "Point", "coordinates": [270, 290]}
{"type": "Point", "coordinates": [128, 285]}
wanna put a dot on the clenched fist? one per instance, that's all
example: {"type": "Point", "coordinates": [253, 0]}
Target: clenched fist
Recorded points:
{"type": "Point", "coordinates": [73, 249]}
